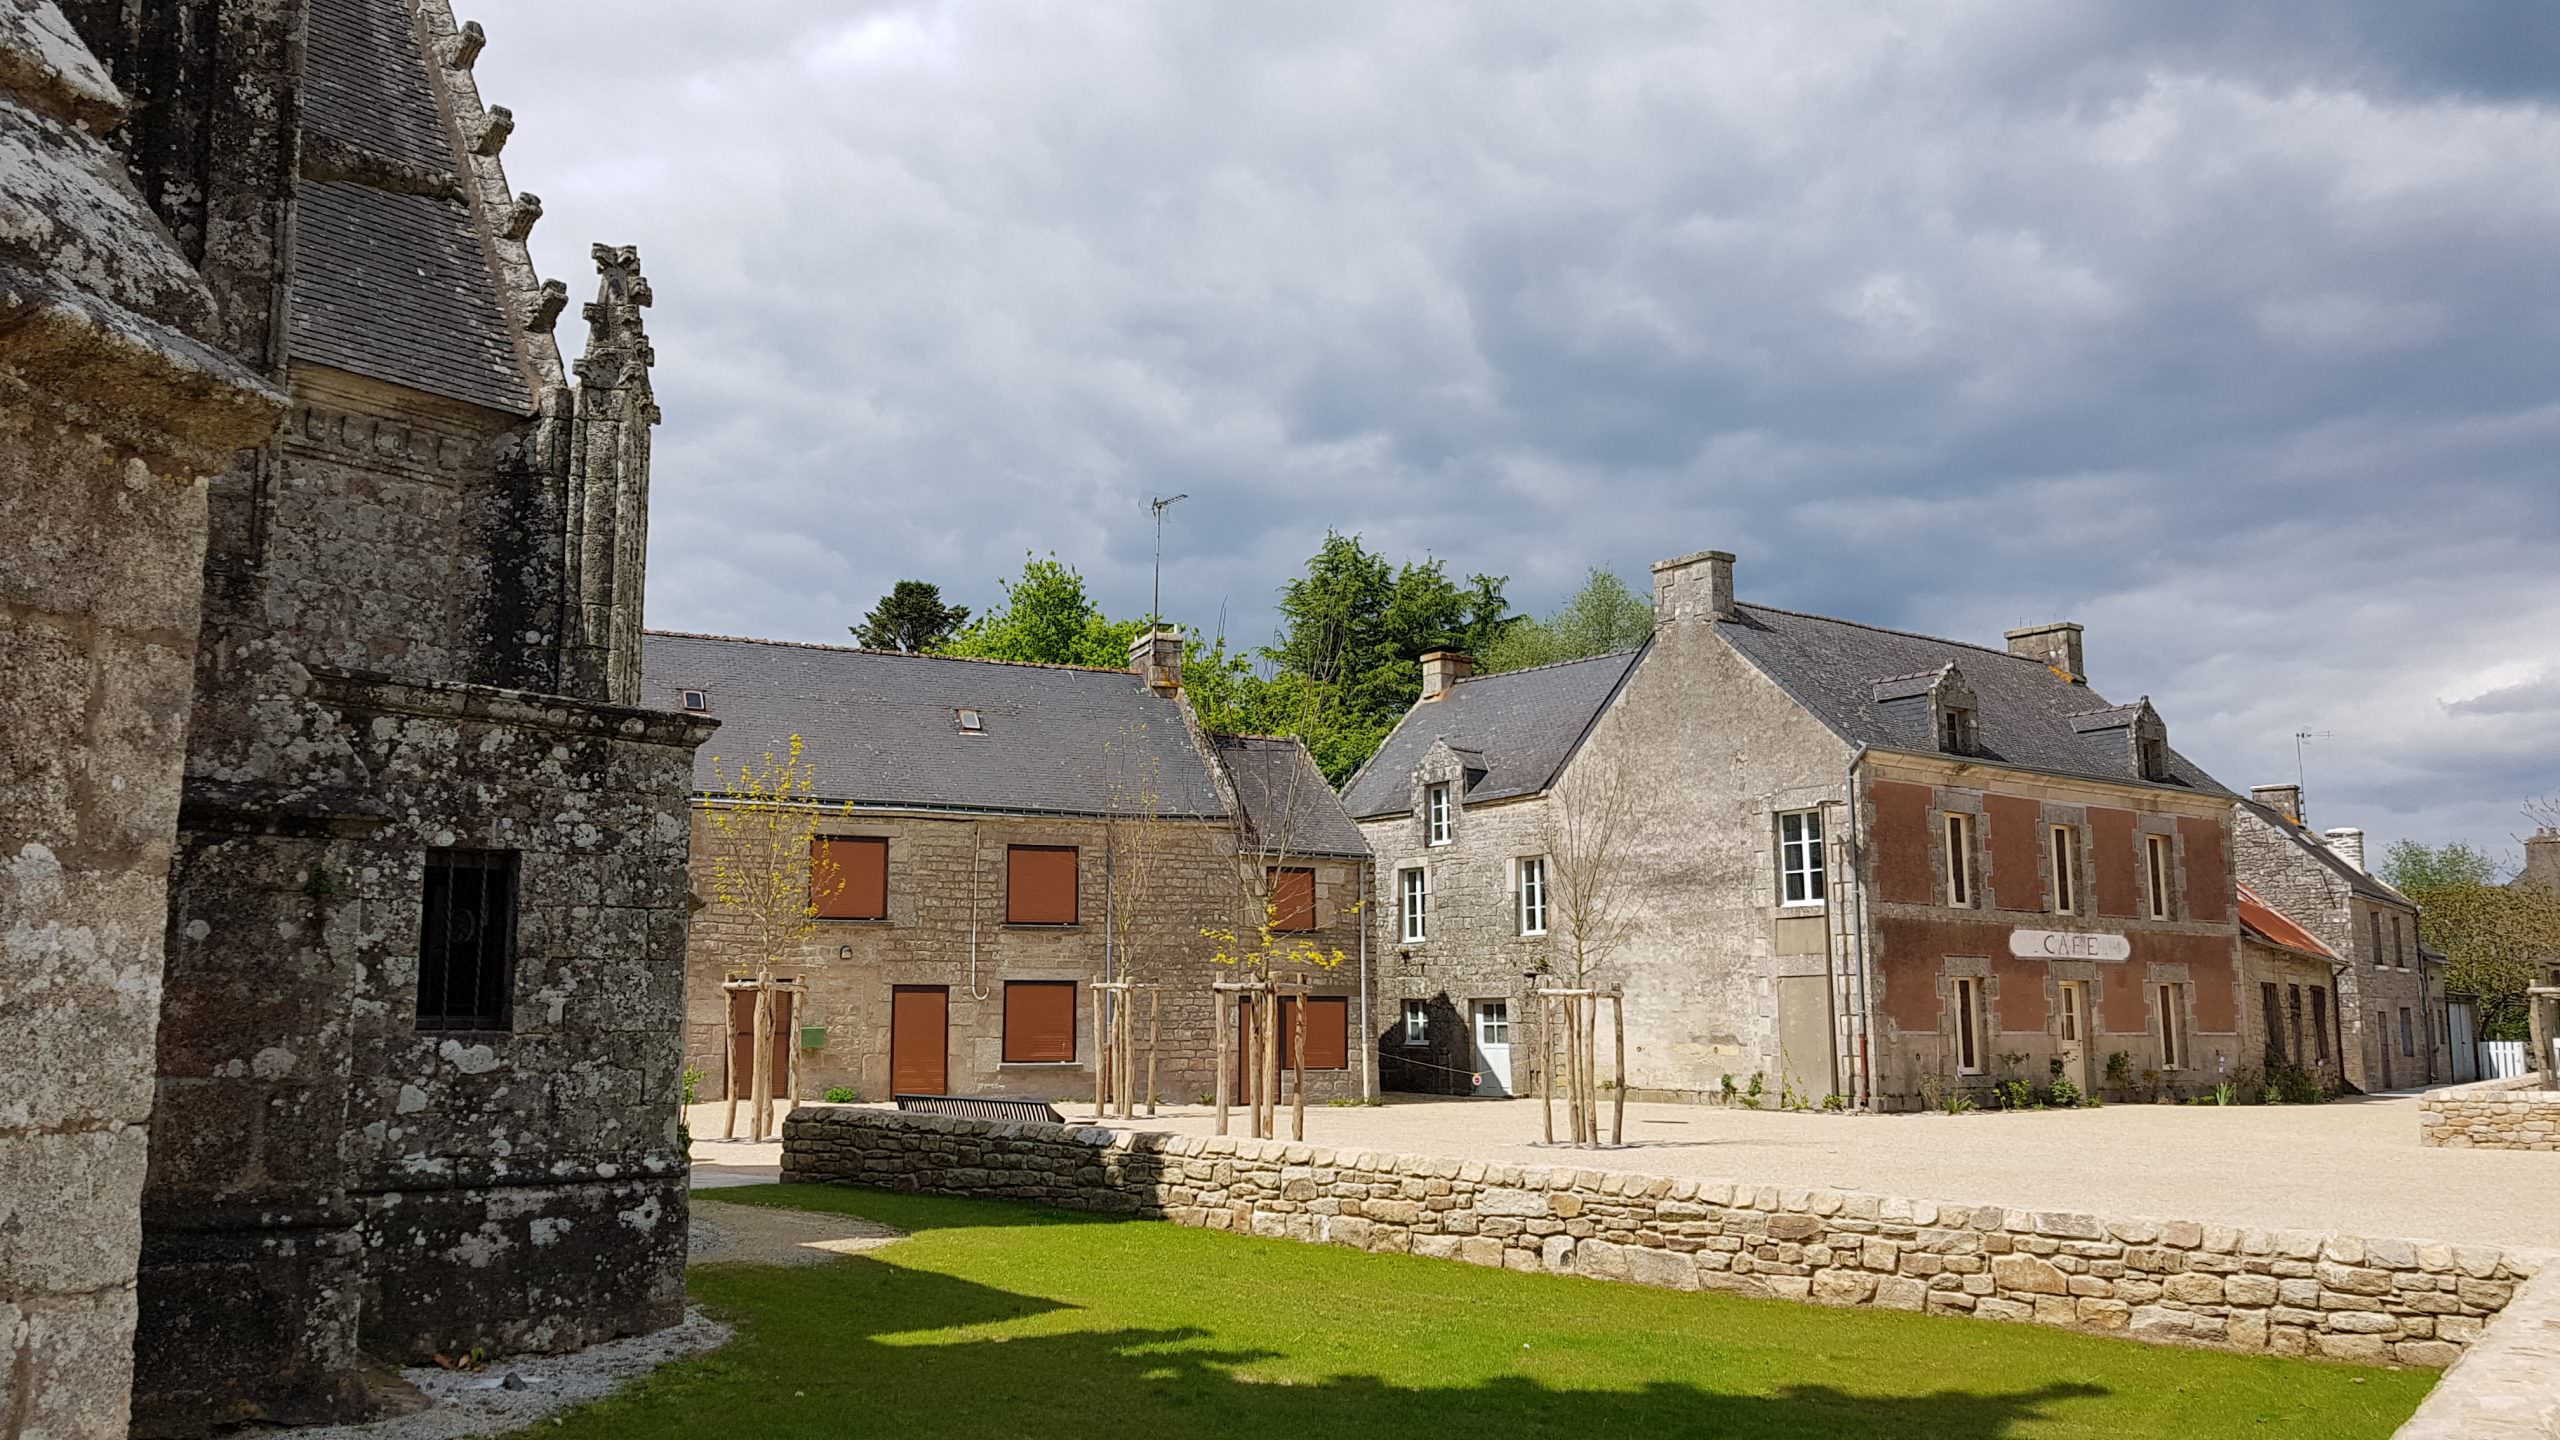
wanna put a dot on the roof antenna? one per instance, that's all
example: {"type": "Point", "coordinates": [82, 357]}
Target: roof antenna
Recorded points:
{"type": "Point", "coordinates": [1162, 503]}
{"type": "Point", "coordinates": [2299, 738]}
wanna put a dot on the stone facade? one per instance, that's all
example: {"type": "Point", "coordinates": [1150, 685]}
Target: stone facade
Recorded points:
{"type": "Point", "coordinates": [2513, 1114]}
{"type": "Point", "coordinates": [1856, 991]}
{"type": "Point", "coordinates": [400, 630]}
{"type": "Point", "coordinates": [2383, 977]}
{"type": "Point", "coordinates": [945, 931]}
{"type": "Point", "coordinates": [115, 407]}
{"type": "Point", "coordinates": [2300, 1038]}
{"type": "Point", "coordinates": [2182, 1282]}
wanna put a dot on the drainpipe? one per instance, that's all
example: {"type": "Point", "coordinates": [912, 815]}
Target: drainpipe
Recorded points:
{"type": "Point", "coordinates": [1368, 1027]}
{"type": "Point", "coordinates": [1863, 964]}
{"type": "Point", "coordinates": [975, 851]}
{"type": "Point", "coordinates": [1110, 927]}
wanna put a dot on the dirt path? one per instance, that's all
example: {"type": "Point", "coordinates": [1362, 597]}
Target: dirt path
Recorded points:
{"type": "Point", "coordinates": [757, 1235]}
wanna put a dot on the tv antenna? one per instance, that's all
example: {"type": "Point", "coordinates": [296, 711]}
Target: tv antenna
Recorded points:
{"type": "Point", "coordinates": [1162, 503]}
{"type": "Point", "coordinates": [2301, 738]}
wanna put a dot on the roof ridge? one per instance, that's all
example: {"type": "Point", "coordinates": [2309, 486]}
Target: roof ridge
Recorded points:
{"type": "Point", "coordinates": [895, 654]}
{"type": "Point", "coordinates": [1552, 665]}
{"type": "Point", "coordinates": [1892, 630]}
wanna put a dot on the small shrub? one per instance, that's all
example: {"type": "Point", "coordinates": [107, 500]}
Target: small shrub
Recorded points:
{"type": "Point", "coordinates": [2226, 1093]}
{"type": "Point", "coordinates": [2066, 1096]}
{"type": "Point", "coordinates": [2015, 1094]}
{"type": "Point", "coordinates": [1752, 1093]}
{"type": "Point", "coordinates": [2120, 1069]}
{"type": "Point", "coordinates": [1958, 1103]}
{"type": "Point", "coordinates": [842, 1095]}
{"type": "Point", "coordinates": [1725, 1083]}
{"type": "Point", "coordinates": [1835, 1102]}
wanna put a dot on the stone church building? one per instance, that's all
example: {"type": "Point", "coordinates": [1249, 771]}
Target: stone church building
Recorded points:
{"type": "Point", "coordinates": [342, 875]}
{"type": "Point", "coordinates": [1845, 860]}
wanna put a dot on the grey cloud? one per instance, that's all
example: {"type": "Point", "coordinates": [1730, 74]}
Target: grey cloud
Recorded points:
{"type": "Point", "coordinates": [2224, 328]}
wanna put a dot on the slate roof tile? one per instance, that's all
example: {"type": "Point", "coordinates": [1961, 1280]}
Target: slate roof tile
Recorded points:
{"type": "Point", "coordinates": [1525, 723]}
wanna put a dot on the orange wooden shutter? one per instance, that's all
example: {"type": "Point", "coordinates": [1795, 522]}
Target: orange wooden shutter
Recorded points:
{"type": "Point", "coordinates": [1040, 885]}
{"type": "Point", "coordinates": [1328, 1031]}
{"type": "Point", "coordinates": [859, 878]}
{"type": "Point", "coordinates": [1293, 900]}
{"type": "Point", "coordinates": [1039, 1021]}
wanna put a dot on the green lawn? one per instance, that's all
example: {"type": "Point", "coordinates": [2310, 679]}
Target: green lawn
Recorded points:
{"type": "Point", "coordinates": [997, 1320]}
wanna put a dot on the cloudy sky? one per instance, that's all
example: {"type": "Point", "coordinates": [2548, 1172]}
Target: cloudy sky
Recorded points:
{"type": "Point", "coordinates": [2231, 331]}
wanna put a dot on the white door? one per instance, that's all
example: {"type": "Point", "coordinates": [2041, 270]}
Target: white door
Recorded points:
{"type": "Point", "coordinates": [1493, 1047]}
{"type": "Point", "coordinates": [2073, 1049]}
{"type": "Point", "coordinates": [2466, 1058]}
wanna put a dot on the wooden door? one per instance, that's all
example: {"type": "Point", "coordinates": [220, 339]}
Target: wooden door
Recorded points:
{"type": "Point", "coordinates": [920, 1040]}
{"type": "Point", "coordinates": [742, 1039]}
{"type": "Point", "coordinates": [2072, 1046]}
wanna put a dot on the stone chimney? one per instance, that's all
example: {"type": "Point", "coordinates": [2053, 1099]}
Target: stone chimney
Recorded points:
{"type": "Point", "coordinates": [1157, 657]}
{"type": "Point", "coordinates": [1442, 669]}
{"type": "Point", "coordinates": [2056, 645]}
{"type": "Point", "coordinates": [2542, 860]}
{"type": "Point", "coordinates": [2348, 843]}
{"type": "Point", "coordinates": [1693, 587]}
{"type": "Point", "coordinates": [2284, 799]}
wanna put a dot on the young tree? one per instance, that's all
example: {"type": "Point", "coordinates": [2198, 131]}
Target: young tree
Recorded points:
{"type": "Point", "coordinates": [1589, 886]}
{"type": "Point", "coordinates": [1605, 615]}
{"type": "Point", "coordinates": [910, 618]}
{"type": "Point", "coordinates": [768, 874]}
{"type": "Point", "coordinates": [1134, 840]}
{"type": "Point", "coordinates": [1047, 618]}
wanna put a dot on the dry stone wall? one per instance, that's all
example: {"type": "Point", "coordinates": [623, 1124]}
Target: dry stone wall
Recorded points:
{"type": "Point", "coordinates": [2513, 1114]}
{"type": "Point", "coordinates": [2183, 1282]}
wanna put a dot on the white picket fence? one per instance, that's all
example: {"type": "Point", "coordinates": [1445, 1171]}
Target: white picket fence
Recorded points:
{"type": "Point", "coordinates": [2504, 1059]}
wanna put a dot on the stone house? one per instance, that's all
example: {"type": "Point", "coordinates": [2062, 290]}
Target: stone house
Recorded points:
{"type": "Point", "coordinates": [2392, 1027]}
{"type": "Point", "coordinates": [981, 817]}
{"type": "Point", "coordinates": [369, 1046]}
{"type": "Point", "coordinates": [1842, 859]}
{"type": "Point", "coordinates": [2288, 1000]}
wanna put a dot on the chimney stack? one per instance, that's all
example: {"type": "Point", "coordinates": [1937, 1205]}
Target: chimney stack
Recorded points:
{"type": "Point", "coordinates": [2542, 860]}
{"type": "Point", "coordinates": [1693, 587]}
{"type": "Point", "coordinates": [1156, 657]}
{"type": "Point", "coordinates": [2348, 842]}
{"type": "Point", "coordinates": [1442, 669]}
{"type": "Point", "coordinates": [2284, 799]}
{"type": "Point", "coordinates": [2056, 645]}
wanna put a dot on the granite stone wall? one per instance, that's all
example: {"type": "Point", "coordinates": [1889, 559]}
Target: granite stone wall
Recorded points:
{"type": "Point", "coordinates": [2182, 1282]}
{"type": "Point", "coordinates": [2512, 1114]}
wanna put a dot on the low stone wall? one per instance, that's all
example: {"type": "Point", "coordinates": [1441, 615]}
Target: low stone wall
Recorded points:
{"type": "Point", "coordinates": [2344, 1297]}
{"type": "Point", "coordinates": [2513, 1114]}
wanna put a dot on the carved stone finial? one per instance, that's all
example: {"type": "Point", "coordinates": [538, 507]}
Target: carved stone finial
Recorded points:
{"type": "Point", "coordinates": [546, 311]}
{"type": "Point", "coordinates": [618, 352]}
{"type": "Point", "coordinates": [493, 135]}
{"type": "Point", "coordinates": [466, 44]}
{"type": "Point", "coordinates": [520, 219]}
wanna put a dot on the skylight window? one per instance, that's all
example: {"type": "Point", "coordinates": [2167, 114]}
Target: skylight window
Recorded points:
{"type": "Point", "coordinates": [972, 723]}
{"type": "Point", "coordinates": [696, 701]}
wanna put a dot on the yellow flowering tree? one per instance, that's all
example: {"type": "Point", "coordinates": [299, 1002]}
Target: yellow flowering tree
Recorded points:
{"type": "Point", "coordinates": [768, 875]}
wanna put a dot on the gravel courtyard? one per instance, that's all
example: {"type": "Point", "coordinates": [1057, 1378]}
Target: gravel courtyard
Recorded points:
{"type": "Point", "coordinates": [2352, 1165]}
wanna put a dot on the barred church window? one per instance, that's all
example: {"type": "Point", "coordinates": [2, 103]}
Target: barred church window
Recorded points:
{"type": "Point", "coordinates": [467, 940]}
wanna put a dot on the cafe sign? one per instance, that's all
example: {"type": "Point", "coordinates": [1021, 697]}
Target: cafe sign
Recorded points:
{"type": "Point", "coordinates": [2068, 945]}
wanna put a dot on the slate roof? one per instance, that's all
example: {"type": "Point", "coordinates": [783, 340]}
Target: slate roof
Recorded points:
{"type": "Point", "coordinates": [2028, 716]}
{"type": "Point", "coordinates": [880, 728]}
{"type": "Point", "coordinates": [393, 286]}
{"type": "Point", "coordinates": [1524, 722]}
{"type": "Point", "coordinates": [2262, 921]}
{"type": "Point", "coordinates": [1285, 799]}
{"type": "Point", "coordinates": [2356, 880]}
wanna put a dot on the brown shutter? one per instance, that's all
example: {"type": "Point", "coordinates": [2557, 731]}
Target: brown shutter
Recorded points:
{"type": "Point", "coordinates": [1039, 1021]}
{"type": "Point", "coordinates": [1293, 900]}
{"type": "Point", "coordinates": [1328, 1031]}
{"type": "Point", "coordinates": [920, 1040]}
{"type": "Point", "coordinates": [850, 878]}
{"type": "Point", "coordinates": [1040, 885]}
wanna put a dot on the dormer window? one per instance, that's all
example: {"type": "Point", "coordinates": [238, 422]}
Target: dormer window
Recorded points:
{"type": "Point", "coordinates": [696, 702]}
{"type": "Point", "coordinates": [1959, 731]}
{"type": "Point", "coordinates": [2136, 736]}
{"type": "Point", "coordinates": [1935, 708]}
{"type": "Point", "coordinates": [1435, 810]}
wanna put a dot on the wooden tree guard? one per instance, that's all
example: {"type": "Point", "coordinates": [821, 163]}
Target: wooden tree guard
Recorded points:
{"type": "Point", "coordinates": [1115, 1047]}
{"type": "Point", "coordinates": [1255, 1004]}
{"type": "Point", "coordinates": [760, 1055]}
{"type": "Point", "coordinates": [1569, 1020]}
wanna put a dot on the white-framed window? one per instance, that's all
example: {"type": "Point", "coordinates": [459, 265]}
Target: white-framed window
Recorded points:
{"type": "Point", "coordinates": [1800, 857]}
{"type": "Point", "coordinates": [2173, 1048]}
{"type": "Point", "coordinates": [1533, 895]}
{"type": "Point", "coordinates": [1417, 1022]}
{"type": "Point", "coordinates": [2066, 869]}
{"type": "Point", "coordinates": [2156, 856]}
{"type": "Point", "coordinates": [1415, 886]}
{"type": "Point", "coordinates": [1435, 811]}
{"type": "Point", "coordinates": [1968, 1025]}
{"type": "Point", "coordinates": [1961, 892]}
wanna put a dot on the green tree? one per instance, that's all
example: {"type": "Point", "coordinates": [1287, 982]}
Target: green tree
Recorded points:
{"type": "Point", "coordinates": [2497, 938]}
{"type": "Point", "coordinates": [1359, 625]}
{"type": "Point", "coordinates": [1605, 615]}
{"type": "Point", "coordinates": [910, 618]}
{"type": "Point", "coordinates": [1047, 618]}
